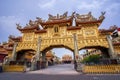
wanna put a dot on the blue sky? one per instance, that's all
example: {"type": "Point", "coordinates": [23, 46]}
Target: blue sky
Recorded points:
{"type": "Point", "coordinates": [21, 11]}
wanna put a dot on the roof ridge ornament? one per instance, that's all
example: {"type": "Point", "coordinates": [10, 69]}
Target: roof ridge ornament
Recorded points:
{"type": "Point", "coordinates": [18, 26]}
{"type": "Point", "coordinates": [102, 17]}
{"type": "Point", "coordinates": [73, 14]}
{"type": "Point", "coordinates": [63, 16]}
{"type": "Point", "coordinates": [32, 23]}
{"type": "Point", "coordinates": [85, 17]}
{"type": "Point", "coordinates": [39, 20]}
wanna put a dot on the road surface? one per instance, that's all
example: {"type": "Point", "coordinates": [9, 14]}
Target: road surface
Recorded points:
{"type": "Point", "coordinates": [57, 72]}
{"type": "Point", "coordinates": [65, 69]}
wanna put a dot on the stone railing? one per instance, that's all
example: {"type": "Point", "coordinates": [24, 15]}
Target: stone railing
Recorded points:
{"type": "Point", "coordinates": [101, 69]}
{"type": "Point", "coordinates": [14, 68]}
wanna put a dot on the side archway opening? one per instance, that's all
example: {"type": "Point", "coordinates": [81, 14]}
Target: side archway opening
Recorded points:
{"type": "Point", "coordinates": [25, 56]}
{"type": "Point", "coordinates": [95, 55]}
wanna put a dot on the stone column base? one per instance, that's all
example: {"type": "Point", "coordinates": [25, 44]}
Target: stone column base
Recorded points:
{"type": "Point", "coordinates": [78, 67]}
{"type": "Point", "coordinates": [43, 64]}
{"type": "Point", "coordinates": [38, 65]}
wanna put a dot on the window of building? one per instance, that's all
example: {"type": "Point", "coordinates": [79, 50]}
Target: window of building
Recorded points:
{"type": "Point", "coordinates": [56, 29]}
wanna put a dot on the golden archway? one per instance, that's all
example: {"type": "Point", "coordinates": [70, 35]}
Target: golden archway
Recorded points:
{"type": "Point", "coordinates": [58, 30]}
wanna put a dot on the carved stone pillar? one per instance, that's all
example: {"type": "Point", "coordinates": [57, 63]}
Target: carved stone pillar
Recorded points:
{"type": "Point", "coordinates": [38, 49]}
{"type": "Point", "coordinates": [43, 57]}
{"type": "Point", "coordinates": [76, 54]}
{"type": "Point", "coordinates": [111, 49]}
{"type": "Point", "coordinates": [14, 52]}
{"type": "Point", "coordinates": [38, 55]}
{"type": "Point", "coordinates": [43, 61]}
{"type": "Point", "coordinates": [35, 64]}
{"type": "Point", "coordinates": [75, 46]}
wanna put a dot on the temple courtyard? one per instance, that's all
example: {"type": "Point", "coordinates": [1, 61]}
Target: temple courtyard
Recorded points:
{"type": "Point", "coordinates": [57, 72]}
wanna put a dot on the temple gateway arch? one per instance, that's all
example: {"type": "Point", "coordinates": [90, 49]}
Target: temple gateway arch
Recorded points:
{"type": "Point", "coordinates": [74, 32]}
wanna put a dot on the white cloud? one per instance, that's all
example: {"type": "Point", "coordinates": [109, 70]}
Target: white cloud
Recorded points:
{"type": "Point", "coordinates": [95, 4]}
{"type": "Point", "coordinates": [8, 25]}
{"type": "Point", "coordinates": [8, 20]}
{"type": "Point", "coordinates": [113, 9]}
{"type": "Point", "coordinates": [47, 5]}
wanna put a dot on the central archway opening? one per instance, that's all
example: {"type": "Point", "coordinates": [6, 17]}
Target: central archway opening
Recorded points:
{"type": "Point", "coordinates": [58, 54]}
{"type": "Point", "coordinates": [65, 56]}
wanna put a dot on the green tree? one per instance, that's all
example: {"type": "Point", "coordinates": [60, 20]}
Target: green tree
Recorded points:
{"type": "Point", "coordinates": [91, 59]}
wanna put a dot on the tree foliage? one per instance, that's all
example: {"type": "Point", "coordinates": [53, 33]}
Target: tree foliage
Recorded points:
{"type": "Point", "coordinates": [91, 59]}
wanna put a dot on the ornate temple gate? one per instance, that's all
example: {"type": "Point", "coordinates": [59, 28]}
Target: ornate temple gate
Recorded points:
{"type": "Point", "coordinates": [40, 35]}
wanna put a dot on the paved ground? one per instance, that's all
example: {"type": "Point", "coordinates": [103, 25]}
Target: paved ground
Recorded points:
{"type": "Point", "coordinates": [65, 69]}
{"type": "Point", "coordinates": [57, 72]}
